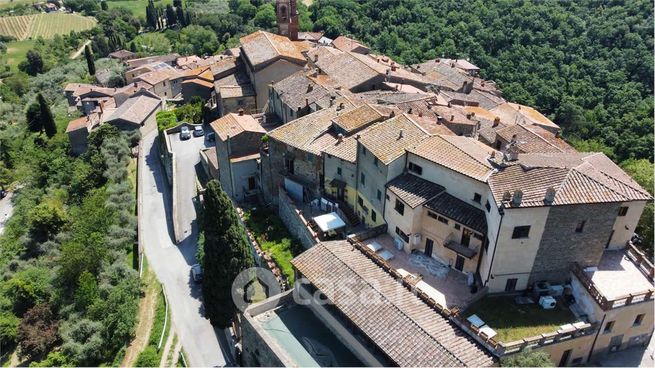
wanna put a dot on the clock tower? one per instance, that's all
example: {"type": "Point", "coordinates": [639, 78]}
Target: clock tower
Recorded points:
{"type": "Point", "coordinates": [287, 18]}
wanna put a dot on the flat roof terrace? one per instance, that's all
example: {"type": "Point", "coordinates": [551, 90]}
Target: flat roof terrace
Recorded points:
{"type": "Point", "coordinates": [304, 338]}
{"type": "Point", "coordinates": [622, 277]}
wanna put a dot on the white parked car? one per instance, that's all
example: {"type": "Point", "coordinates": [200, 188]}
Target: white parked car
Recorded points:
{"type": "Point", "coordinates": [185, 133]}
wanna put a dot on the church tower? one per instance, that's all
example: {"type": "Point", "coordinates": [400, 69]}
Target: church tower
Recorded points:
{"type": "Point", "coordinates": [287, 18]}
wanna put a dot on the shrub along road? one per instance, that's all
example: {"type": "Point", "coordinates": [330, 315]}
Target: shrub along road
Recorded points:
{"type": "Point", "coordinates": [203, 345]}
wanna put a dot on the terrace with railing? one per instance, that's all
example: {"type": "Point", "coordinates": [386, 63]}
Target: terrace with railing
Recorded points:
{"type": "Point", "coordinates": [622, 278]}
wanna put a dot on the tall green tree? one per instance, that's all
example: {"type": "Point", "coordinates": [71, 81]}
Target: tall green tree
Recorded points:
{"type": "Point", "coordinates": [527, 358]}
{"type": "Point", "coordinates": [90, 63]}
{"type": "Point", "coordinates": [226, 254]}
{"type": "Point", "coordinates": [642, 172]}
{"type": "Point", "coordinates": [33, 117]}
{"type": "Point", "coordinates": [49, 125]}
{"type": "Point", "coordinates": [33, 63]}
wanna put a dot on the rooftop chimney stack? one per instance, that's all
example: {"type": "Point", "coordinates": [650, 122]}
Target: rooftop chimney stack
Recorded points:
{"type": "Point", "coordinates": [550, 195]}
{"type": "Point", "coordinates": [401, 133]}
{"type": "Point", "coordinates": [340, 137]}
{"type": "Point", "coordinates": [240, 112]}
{"type": "Point", "coordinates": [517, 197]}
{"type": "Point", "coordinates": [496, 121]}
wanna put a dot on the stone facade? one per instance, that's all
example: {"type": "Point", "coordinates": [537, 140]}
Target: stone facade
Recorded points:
{"type": "Point", "coordinates": [561, 245]}
{"type": "Point", "coordinates": [307, 168]}
{"type": "Point", "coordinates": [291, 218]}
{"type": "Point", "coordinates": [256, 352]}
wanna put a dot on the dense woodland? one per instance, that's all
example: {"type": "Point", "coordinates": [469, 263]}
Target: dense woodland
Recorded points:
{"type": "Point", "coordinates": [68, 292]}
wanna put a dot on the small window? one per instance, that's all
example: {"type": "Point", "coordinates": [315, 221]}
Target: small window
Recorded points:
{"type": "Point", "coordinates": [580, 226]}
{"type": "Point", "coordinates": [608, 327]}
{"type": "Point", "coordinates": [379, 195]}
{"type": "Point", "coordinates": [373, 216]}
{"type": "Point", "coordinates": [623, 211]}
{"type": "Point", "coordinates": [487, 206]}
{"type": "Point", "coordinates": [638, 320]}
{"type": "Point", "coordinates": [477, 198]}
{"type": "Point", "coordinates": [360, 201]}
{"type": "Point", "coordinates": [402, 235]}
{"type": "Point", "coordinates": [457, 227]}
{"type": "Point", "coordinates": [432, 214]}
{"type": "Point", "coordinates": [442, 220]}
{"type": "Point", "coordinates": [400, 207]}
{"type": "Point", "coordinates": [362, 178]}
{"type": "Point", "coordinates": [338, 171]}
{"type": "Point", "coordinates": [521, 232]}
{"type": "Point", "coordinates": [416, 169]}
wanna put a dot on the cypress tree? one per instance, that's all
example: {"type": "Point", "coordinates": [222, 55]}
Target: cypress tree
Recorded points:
{"type": "Point", "coordinates": [46, 117]}
{"type": "Point", "coordinates": [226, 254]}
{"type": "Point", "coordinates": [33, 117]}
{"type": "Point", "coordinates": [91, 65]}
{"type": "Point", "coordinates": [171, 16]}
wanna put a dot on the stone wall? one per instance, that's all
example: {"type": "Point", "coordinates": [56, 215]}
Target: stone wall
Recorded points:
{"type": "Point", "coordinates": [256, 352]}
{"type": "Point", "coordinates": [294, 221]}
{"type": "Point", "coordinates": [561, 245]}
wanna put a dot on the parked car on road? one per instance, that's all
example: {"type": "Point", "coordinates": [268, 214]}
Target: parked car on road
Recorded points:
{"type": "Point", "coordinates": [196, 273]}
{"type": "Point", "coordinates": [185, 133]}
{"type": "Point", "coordinates": [198, 131]}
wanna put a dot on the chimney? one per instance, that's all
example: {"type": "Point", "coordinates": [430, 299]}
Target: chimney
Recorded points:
{"type": "Point", "coordinates": [315, 57]}
{"type": "Point", "coordinates": [409, 111]}
{"type": "Point", "coordinates": [468, 116]}
{"type": "Point", "coordinates": [102, 105]}
{"type": "Point", "coordinates": [517, 197]}
{"type": "Point", "coordinates": [437, 60]}
{"type": "Point", "coordinates": [340, 138]}
{"type": "Point", "coordinates": [393, 67]}
{"type": "Point", "coordinates": [240, 112]}
{"type": "Point", "coordinates": [507, 196]}
{"type": "Point", "coordinates": [550, 195]}
{"type": "Point", "coordinates": [332, 98]}
{"type": "Point", "coordinates": [420, 114]}
{"type": "Point", "coordinates": [496, 121]}
{"type": "Point", "coordinates": [439, 119]}
{"type": "Point", "coordinates": [310, 87]}
{"type": "Point", "coordinates": [558, 134]}
{"type": "Point", "coordinates": [452, 117]}
{"type": "Point", "coordinates": [401, 134]}
{"type": "Point", "coordinates": [134, 84]}
{"type": "Point", "coordinates": [514, 137]}
{"type": "Point", "coordinates": [306, 102]}
{"type": "Point", "coordinates": [393, 113]}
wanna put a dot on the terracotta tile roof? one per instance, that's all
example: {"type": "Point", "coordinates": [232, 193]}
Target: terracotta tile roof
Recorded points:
{"type": "Point", "coordinates": [262, 48]}
{"type": "Point", "coordinates": [344, 43]}
{"type": "Point", "coordinates": [136, 109]}
{"type": "Point", "coordinates": [231, 125]}
{"type": "Point", "coordinates": [85, 122]}
{"type": "Point", "coordinates": [311, 133]}
{"type": "Point", "coordinates": [576, 178]}
{"type": "Point", "coordinates": [237, 91]}
{"type": "Point", "coordinates": [408, 331]}
{"type": "Point", "coordinates": [300, 88]}
{"type": "Point", "coordinates": [385, 141]}
{"type": "Point", "coordinates": [310, 36]}
{"type": "Point", "coordinates": [480, 112]}
{"type": "Point", "coordinates": [224, 66]}
{"type": "Point", "coordinates": [533, 139]}
{"type": "Point", "coordinates": [454, 115]}
{"type": "Point", "coordinates": [186, 60]}
{"type": "Point", "coordinates": [429, 124]}
{"type": "Point", "coordinates": [347, 70]}
{"type": "Point", "coordinates": [200, 82]}
{"type": "Point", "coordinates": [443, 74]}
{"type": "Point", "coordinates": [357, 118]}
{"type": "Point", "coordinates": [460, 154]}
{"type": "Point", "coordinates": [413, 190]}
{"type": "Point", "coordinates": [345, 149]}
{"type": "Point", "coordinates": [460, 211]}
{"type": "Point", "coordinates": [158, 76]}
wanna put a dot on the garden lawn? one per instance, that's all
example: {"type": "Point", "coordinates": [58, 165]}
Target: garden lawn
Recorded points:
{"type": "Point", "coordinates": [514, 322]}
{"type": "Point", "coordinates": [17, 51]}
{"type": "Point", "coordinates": [274, 238]}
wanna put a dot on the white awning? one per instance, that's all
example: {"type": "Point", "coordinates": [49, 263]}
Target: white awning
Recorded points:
{"type": "Point", "coordinates": [329, 221]}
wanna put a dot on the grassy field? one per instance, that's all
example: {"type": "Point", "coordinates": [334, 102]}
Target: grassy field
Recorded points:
{"type": "Point", "coordinates": [138, 7]}
{"type": "Point", "coordinates": [45, 25]}
{"type": "Point", "coordinates": [16, 52]}
{"type": "Point", "coordinates": [11, 3]}
{"type": "Point", "coordinates": [514, 322]}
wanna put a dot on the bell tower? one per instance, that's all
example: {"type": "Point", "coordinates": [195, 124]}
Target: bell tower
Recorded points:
{"type": "Point", "coordinates": [287, 18]}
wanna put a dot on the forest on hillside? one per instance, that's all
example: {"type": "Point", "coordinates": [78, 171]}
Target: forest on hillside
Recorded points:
{"type": "Point", "coordinates": [588, 65]}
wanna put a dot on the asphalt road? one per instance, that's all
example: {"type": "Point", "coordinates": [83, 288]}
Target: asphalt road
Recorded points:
{"type": "Point", "coordinates": [203, 345]}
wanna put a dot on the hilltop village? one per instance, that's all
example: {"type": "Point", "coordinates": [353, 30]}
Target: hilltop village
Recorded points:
{"type": "Point", "coordinates": [418, 186]}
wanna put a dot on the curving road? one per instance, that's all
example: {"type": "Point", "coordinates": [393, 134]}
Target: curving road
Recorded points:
{"type": "Point", "coordinates": [203, 345]}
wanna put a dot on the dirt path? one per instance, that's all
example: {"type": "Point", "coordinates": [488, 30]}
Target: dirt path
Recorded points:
{"type": "Point", "coordinates": [147, 310]}
{"type": "Point", "coordinates": [79, 52]}
{"type": "Point", "coordinates": [167, 348]}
